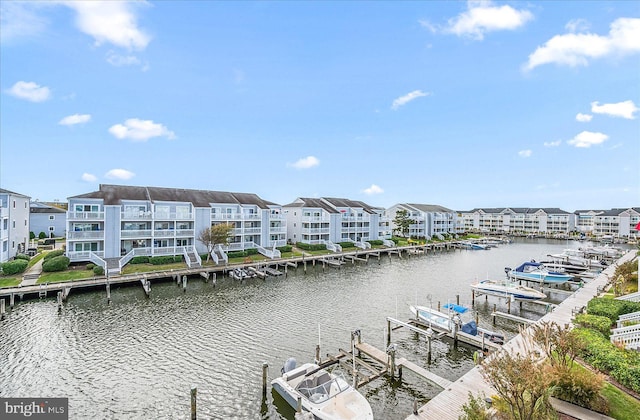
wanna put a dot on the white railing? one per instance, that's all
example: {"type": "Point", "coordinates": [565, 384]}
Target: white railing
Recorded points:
{"type": "Point", "coordinates": [316, 230]}
{"type": "Point", "coordinates": [269, 253]}
{"type": "Point", "coordinates": [226, 216]}
{"type": "Point", "coordinates": [277, 229]}
{"type": "Point", "coordinates": [276, 216]}
{"type": "Point", "coordinates": [94, 258]}
{"type": "Point", "coordinates": [186, 257]}
{"type": "Point", "coordinates": [82, 255]}
{"type": "Point", "coordinates": [85, 215]}
{"type": "Point", "coordinates": [86, 234]}
{"type": "Point", "coordinates": [633, 297]}
{"type": "Point", "coordinates": [633, 317]}
{"type": "Point", "coordinates": [163, 233]}
{"type": "Point", "coordinates": [172, 216]}
{"type": "Point", "coordinates": [252, 230]}
{"type": "Point", "coordinates": [136, 215]}
{"type": "Point", "coordinates": [278, 243]}
{"type": "Point", "coordinates": [629, 336]}
{"type": "Point", "coordinates": [363, 245]}
{"type": "Point", "coordinates": [218, 250]}
{"type": "Point", "coordinates": [195, 252]}
{"type": "Point", "coordinates": [333, 247]}
{"type": "Point", "coordinates": [315, 219]}
{"type": "Point", "coordinates": [185, 232]}
{"type": "Point", "coordinates": [135, 233]}
{"type": "Point", "coordinates": [388, 242]}
{"type": "Point", "coordinates": [128, 257]}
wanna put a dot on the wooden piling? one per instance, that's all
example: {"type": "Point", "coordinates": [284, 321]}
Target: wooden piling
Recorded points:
{"type": "Point", "coordinates": [184, 283]}
{"type": "Point", "coordinates": [2, 309]}
{"type": "Point", "coordinates": [388, 332]}
{"type": "Point", "coordinates": [493, 314]}
{"type": "Point", "coordinates": [214, 279]}
{"type": "Point", "coordinates": [508, 305]}
{"type": "Point", "coordinates": [438, 306]}
{"type": "Point", "coordinates": [108, 293]}
{"type": "Point", "coordinates": [59, 301]}
{"type": "Point", "coordinates": [457, 299]}
{"type": "Point", "coordinates": [12, 300]}
{"type": "Point", "coordinates": [265, 369]}
{"type": "Point", "coordinates": [473, 297]}
{"type": "Point", "coordinates": [194, 394]}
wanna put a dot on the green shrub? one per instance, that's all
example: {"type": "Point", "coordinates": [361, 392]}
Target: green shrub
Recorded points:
{"type": "Point", "coordinates": [236, 254]}
{"type": "Point", "coordinates": [376, 242]}
{"type": "Point", "coordinates": [347, 245]}
{"type": "Point", "coordinates": [581, 387]}
{"type": "Point", "coordinates": [14, 267]}
{"type": "Point", "coordinates": [596, 322]}
{"type": "Point", "coordinates": [90, 266]}
{"type": "Point", "coordinates": [42, 235]}
{"type": "Point", "coordinates": [611, 308]}
{"type": "Point", "coordinates": [286, 248]}
{"type": "Point", "coordinates": [98, 270]}
{"type": "Point", "coordinates": [22, 257]}
{"type": "Point", "coordinates": [59, 263]}
{"type": "Point", "coordinates": [309, 247]}
{"type": "Point", "coordinates": [475, 409]}
{"type": "Point", "coordinates": [165, 259]}
{"type": "Point", "coordinates": [54, 254]}
{"type": "Point", "coordinates": [141, 259]}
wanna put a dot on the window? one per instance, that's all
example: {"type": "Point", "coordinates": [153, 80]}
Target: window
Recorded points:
{"type": "Point", "coordinates": [14, 204]}
{"type": "Point", "coordinates": [13, 224]}
{"type": "Point", "coordinates": [51, 228]}
{"type": "Point", "coordinates": [52, 217]}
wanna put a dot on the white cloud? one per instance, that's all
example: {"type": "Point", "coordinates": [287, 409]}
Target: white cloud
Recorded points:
{"type": "Point", "coordinates": [89, 177]}
{"type": "Point", "coordinates": [30, 91]}
{"type": "Point", "coordinates": [552, 143]}
{"type": "Point", "coordinates": [113, 22]}
{"type": "Point", "coordinates": [577, 49]}
{"type": "Point", "coordinates": [583, 117]}
{"type": "Point", "coordinates": [119, 60]}
{"type": "Point", "coordinates": [75, 119]}
{"type": "Point", "coordinates": [624, 109]}
{"type": "Point", "coordinates": [525, 153]}
{"type": "Point", "coordinates": [587, 139]}
{"type": "Point", "coordinates": [140, 130]}
{"type": "Point", "coordinates": [19, 20]}
{"type": "Point", "coordinates": [305, 163]}
{"type": "Point", "coordinates": [577, 25]}
{"type": "Point", "coordinates": [119, 174]}
{"type": "Point", "coordinates": [373, 189]}
{"type": "Point", "coordinates": [398, 102]}
{"type": "Point", "coordinates": [483, 16]}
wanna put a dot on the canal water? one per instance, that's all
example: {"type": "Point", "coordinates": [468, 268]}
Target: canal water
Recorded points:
{"type": "Point", "coordinates": [138, 357]}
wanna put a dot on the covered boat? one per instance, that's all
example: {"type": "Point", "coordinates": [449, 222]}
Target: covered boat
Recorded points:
{"type": "Point", "coordinates": [448, 321]}
{"type": "Point", "coordinates": [507, 289]}
{"type": "Point", "coordinates": [326, 395]}
{"type": "Point", "coordinates": [535, 271]}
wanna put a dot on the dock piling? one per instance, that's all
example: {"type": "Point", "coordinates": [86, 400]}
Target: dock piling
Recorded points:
{"type": "Point", "coordinates": [265, 369]}
{"type": "Point", "coordinates": [59, 302]}
{"type": "Point", "coordinates": [184, 284]}
{"type": "Point", "coordinates": [2, 309]}
{"type": "Point", "coordinates": [108, 293]}
{"type": "Point", "coordinates": [194, 394]}
{"type": "Point", "coordinates": [12, 300]}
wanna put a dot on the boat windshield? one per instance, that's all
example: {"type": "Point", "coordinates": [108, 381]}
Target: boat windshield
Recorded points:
{"type": "Point", "coordinates": [322, 387]}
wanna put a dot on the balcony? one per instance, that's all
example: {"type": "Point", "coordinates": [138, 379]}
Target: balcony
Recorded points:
{"type": "Point", "coordinates": [86, 234]}
{"type": "Point", "coordinates": [185, 232]}
{"type": "Point", "coordinates": [163, 233]}
{"type": "Point", "coordinates": [142, 233]}
{"type": "Point", "coordinates": [315, 219]}
{"type": "Point", "coordinates": [252, 230]}
{"type": "Point", "coordinates": [136, 215]}
{"type": "Point", "coordinates": [276, 216]}
{"type": "Point", "coordinates": [75, 256]}
{"type": "Point", "coordinates": [226, 216]}
{"type": "Point", "coordinates": [85, 215]}
{"type": "Point", "coordinates": [316, 230]}
{"type": "Point", "coordinates": [279, 229]}
{"type": "Point", "coordinates": [162, 215]}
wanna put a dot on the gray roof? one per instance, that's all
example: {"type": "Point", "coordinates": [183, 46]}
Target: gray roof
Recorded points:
{"type": "Point", "coordinates": [313, 203]}
{"type": "Point", "coordinates": [430, 208]}
{"type": "Point", "coordinates": [345, 202]}
{"type": "Point", "coordinates": [36, 207]}
{"type": "Point", "coordinates": [115, 194]}
{"type": "Point", "coordinates": [523, 210]}
{"type": "Point", "coordinates": [3, 191]}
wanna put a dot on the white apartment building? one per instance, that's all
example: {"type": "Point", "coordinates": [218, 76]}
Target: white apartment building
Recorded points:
{"type": "Point", "coordinates": [619, 223]}
{"type": "Point", "coordinates": [116, 223]}
{"type": "Point", "coordinates": [331, 220]}
{"type": "Point", "coordinates": [14, 224]}
{"type": "Point", "coordinates": [429, 220]}
{"type": "Point", "coordinates": [518, 220]}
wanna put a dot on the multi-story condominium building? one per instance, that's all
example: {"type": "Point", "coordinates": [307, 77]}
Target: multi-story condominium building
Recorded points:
{"type": "Point", "coordinates": [331, 220]}
{"type": "Point", "coordinates": [617, 223]}
{"type": "Point", "coordinates": [51, 220]}
{"type": "Point", "coordinates": [518, 220]}
{"type": "Point", "coordinates": [429, 220]}
{"type": "Point", "coordinates": [14, 224]}
{"type": "Point", "coordinates": [116, 223]}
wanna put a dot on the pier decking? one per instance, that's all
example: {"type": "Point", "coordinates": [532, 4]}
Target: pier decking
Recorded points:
{"type": "Point", "coordinates": [448, 403]}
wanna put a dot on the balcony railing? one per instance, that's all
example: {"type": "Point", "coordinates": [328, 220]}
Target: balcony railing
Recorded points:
{"type": "Point", "coordinates": [135, 233]}
{"type": "Point", "coordinates": [136, 215]}
{"type": "Point", "coordinates": [185, 232]}
{"type": "Point", "coordinates": [276, 216]}
{"type": "Point", "coordinates": [85, 215]}
{"type": "Point", "coordinates": [279, 229]}
{"type": "Point", "coordinates": [83, 255]}
{"type": "Point", "coordinates": [164, 233]}
{"type": "Point", "coordinates": [316, 230]}
{"type": "Point", "coordinates": [252, 230]}
{"type": "Point", "coordinates": [161, 215]}
{"type": "Point", "coordinates": [316, 219]}
{"type": "Point", "coordinates": [86, 234]}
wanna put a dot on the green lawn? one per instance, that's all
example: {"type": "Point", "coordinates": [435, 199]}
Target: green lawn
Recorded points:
{"type": "Point", "coordinates": [622, 406]}
{"type": "Point", "coordinates": [68, 275]}
{"type": "Point", "coordinates": [145, 268]}
{"type": "Point", "coordinates": [10, 281]}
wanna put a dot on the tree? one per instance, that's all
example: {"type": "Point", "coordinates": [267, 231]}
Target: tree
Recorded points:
{"type": "Point", "coordinates": [216, 234]}
{"type": "Point", "coordinates": [402, 222]}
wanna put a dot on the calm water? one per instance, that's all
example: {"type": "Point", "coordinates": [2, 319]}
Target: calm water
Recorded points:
{"type": "Point", "coordinates": [139, 357]}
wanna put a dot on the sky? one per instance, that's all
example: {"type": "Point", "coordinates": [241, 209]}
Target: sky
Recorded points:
{"type": "Point", "coordinates": [459, 104]}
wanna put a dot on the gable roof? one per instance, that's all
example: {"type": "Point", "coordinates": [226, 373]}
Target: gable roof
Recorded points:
{"type": "Point", "coordinates": [115, 194]}
{"type": "Point", "coordinates": [37, 207]}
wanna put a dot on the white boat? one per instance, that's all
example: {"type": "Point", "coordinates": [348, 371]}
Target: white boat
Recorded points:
{"type": "Point", "coordinates": [326, 395]}
{"type": "Point", "coordinates": [534, 271]}
{"type": "Point", "coordinates": [448, 321]}
{"type": "Point", "coordinates": [507, 289]}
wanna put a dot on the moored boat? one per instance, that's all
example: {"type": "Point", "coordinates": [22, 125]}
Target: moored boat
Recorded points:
{"type": "Point", "coordinates": [326, 395]}
{"type": "Point", "coordinates": [535, 271]}
{"type": "Point", "coordinates": [507, 289]}
{"type": "Point", "coordinates": [448, 321]}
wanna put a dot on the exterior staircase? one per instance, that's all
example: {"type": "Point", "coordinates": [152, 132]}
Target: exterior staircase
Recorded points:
{"type": "Point", "coordinates": [113, 265]}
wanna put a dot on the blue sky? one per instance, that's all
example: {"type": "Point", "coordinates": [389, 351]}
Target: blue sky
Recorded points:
{"type": "Point", "coordinates": [461, 104]}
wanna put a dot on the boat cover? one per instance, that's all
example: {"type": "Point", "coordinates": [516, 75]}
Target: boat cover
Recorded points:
{"type": "Point", "coordinates": [470, 328]}
{"type": "Point", "coordinates": [457, 308]}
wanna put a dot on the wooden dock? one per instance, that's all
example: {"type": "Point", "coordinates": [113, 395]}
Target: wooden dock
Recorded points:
{"type": "Point", "coordinates": [447, 405]}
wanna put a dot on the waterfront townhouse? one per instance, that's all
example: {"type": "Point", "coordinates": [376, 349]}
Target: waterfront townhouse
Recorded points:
{"type": "Point", "coordinates": [616, 223]}
{"type": "Point", "coordinates": [51, 220]}
{"type": "Point", "coordinates": [14, 224]}
{"type": "Point", "coordinates": [116, 223]}
{"type": "Point", "coordinates": [331, 220]}
{"type": "Point", "coordinates": [518, 220]}
{"type": "Point", "coordinates": [428, 220]}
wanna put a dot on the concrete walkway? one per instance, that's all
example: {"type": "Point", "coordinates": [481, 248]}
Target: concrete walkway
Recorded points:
{"type": "Point", "coordinates": [32, 274]}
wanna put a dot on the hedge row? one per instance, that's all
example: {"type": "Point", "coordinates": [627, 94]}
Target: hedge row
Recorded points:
{"type": "Point", "coordinates": [611, 308]}
{"type": "Point", "coordinates": [14, 267]}
{"type": "Point", "coordinates": [54, 254]}
{"type": "Point", "coordinates": [286, 248]}
{"type": "Point", "coordinates": [22, 257]}
{"type": "Point", "coordinates": [623, 365]}
{"type": "Point", "coordinates": [165, 259]}
{"type": "Point", "coordinates": [376, 242]}
{"type": "Point", "coordinates": [347, 245]}
{"type": "Point", "coordinates": [596, 322]}
{"type": "Point", "coordinates": [309, 247]}
{"type": "Point", "coordinates": [240, 254]}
